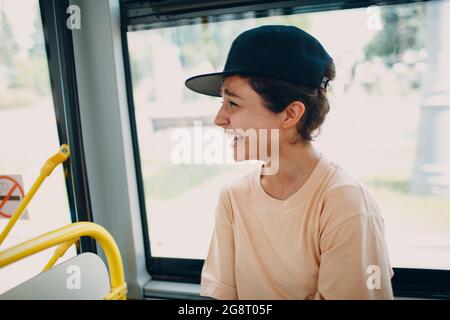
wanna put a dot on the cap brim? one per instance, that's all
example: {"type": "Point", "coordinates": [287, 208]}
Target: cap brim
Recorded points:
{"type": "Point", "coordinates": [209, 84]}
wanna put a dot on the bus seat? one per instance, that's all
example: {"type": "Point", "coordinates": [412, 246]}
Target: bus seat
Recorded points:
{"type": "Point", "coordinates": [83, 277]}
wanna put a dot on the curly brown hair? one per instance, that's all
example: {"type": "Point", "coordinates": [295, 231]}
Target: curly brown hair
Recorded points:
{"type": "Point", "coordinates": [278, 94]}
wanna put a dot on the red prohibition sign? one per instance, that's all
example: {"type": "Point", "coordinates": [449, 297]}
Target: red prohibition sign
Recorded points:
{"type": "Point", "coordinates": [15, 185]}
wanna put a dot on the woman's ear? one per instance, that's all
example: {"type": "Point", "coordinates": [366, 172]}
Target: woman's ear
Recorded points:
{"type": "Point", "coordinates": [292, 114]}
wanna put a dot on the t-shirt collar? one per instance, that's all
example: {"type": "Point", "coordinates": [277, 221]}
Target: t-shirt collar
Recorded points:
{"type": "Point", "coordinates": [301, 195]}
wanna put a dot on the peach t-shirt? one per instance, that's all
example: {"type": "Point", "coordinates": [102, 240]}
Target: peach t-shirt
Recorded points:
{"type": "Point", "coordinates": [326, 241]}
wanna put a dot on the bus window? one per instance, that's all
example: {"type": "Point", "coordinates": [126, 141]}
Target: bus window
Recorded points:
{"type": "Point", "coordinates": [29, 136]}
{"type": "Point", "coordinates": [377, 121]}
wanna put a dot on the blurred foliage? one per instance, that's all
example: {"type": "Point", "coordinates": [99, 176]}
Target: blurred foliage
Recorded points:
{"type": "Point", "coordinates": [403, 29]}
{"type": "Point", "coordinates": [8, 51]}
{"type": "Point", "coordinates": [23, 71]}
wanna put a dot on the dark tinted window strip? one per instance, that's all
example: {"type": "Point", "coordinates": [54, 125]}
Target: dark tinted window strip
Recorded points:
{"type": "Point", "coordinates": [143, 15]}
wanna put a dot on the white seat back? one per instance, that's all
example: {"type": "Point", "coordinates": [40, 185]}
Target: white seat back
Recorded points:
{"type": "Point", "coordinates": [83, 277]}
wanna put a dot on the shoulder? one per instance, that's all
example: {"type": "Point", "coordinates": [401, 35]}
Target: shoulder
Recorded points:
{"type": "Point", "coordinates": [345, 198]}
{"type": "Point", "coordinates": [239, 187]}
{"type": "Point", "coordinates": [345, 193]}
{"type": "Point", "coordinates": [237, 191]}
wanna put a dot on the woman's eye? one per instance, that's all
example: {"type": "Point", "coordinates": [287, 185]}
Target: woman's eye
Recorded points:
{"type": "Point", "coordinates": [230, 103]}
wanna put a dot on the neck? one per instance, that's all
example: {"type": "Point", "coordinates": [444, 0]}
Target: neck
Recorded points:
{"type": "Point", "coordinates": [296, 163]}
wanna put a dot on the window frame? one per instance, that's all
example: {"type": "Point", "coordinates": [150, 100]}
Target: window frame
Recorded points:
{"type": "Point", "coordinates": [62, 74]}
{"type": "Point", "coordinates": [144, 15]}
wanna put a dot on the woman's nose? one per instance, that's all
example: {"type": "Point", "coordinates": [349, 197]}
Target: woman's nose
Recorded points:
{"type": "Point", "coordinates": [221, 119]}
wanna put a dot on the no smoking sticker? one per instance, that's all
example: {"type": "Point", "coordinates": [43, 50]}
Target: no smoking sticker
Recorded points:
{"type": "Point", "coordinates": [11, 195]}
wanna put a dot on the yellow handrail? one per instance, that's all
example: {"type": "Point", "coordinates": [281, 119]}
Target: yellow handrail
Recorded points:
{"type": "Point", "coordinates": [70, 233]}
{"type": "Point", "coordinates": [46, 170]}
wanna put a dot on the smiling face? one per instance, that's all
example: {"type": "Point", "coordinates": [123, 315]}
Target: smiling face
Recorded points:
{"type": "Point", "coordinates": [243, 111]}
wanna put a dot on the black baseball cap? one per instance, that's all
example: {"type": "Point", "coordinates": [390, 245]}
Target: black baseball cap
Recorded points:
{"type": "Point", "coordinates": [273, 51]}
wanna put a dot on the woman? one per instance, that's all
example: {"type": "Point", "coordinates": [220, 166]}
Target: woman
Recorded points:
{"type": "Point", "coordinates": [306, 230]}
